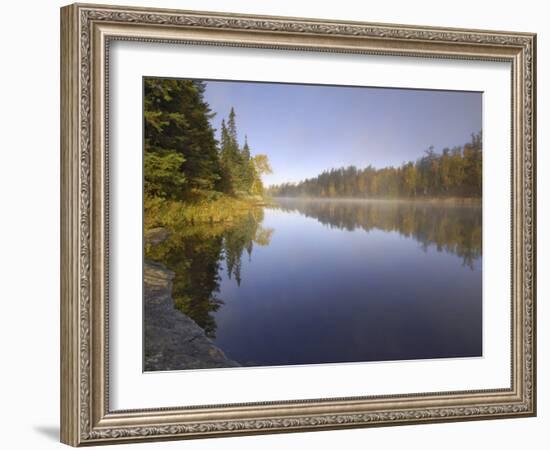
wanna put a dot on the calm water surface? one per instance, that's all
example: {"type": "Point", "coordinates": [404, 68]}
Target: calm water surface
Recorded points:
{"type": "Point", "coordinates": [327, 281]}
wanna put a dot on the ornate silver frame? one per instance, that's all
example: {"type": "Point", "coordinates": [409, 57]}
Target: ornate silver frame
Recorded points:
{"type": "Point", "coordinates": [86, 31]}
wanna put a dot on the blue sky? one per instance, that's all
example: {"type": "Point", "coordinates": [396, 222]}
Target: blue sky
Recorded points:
{"type": "Point", "coordinates": [305, 129]}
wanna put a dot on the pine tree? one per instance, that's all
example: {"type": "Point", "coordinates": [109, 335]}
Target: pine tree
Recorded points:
{"type": "Point", "coordinates": [232, 126]}
{"type": "Point", "coordinates": [177, 121]}
{"type": "Point", "coordinates": [182, 158]}
{"type": "Point", "coordinates": [247, 168]}
{"type": "Point", "coordinates": [226, 161]}
{"type": "Point", "coordinates": [231, 156]}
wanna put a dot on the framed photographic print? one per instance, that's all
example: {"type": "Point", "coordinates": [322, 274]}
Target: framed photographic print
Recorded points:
{"type": "Point", "coordinates": [275, 224]}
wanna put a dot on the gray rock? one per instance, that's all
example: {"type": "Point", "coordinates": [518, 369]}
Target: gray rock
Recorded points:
{"type": "Point", "coordinates": [172, 340]}
{"type": "Point", "coordinates": [155, 236]}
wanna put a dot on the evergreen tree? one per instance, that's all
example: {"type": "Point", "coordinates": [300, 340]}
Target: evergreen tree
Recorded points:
{"type": "Point", "coordinates": [247, 174]}
{"type": "Point", "coordinates": [177, 122]}
{"type": "Point", "coordinates": [226, 161]}
{"type": "Point", "coordinates": [181, 154]}
{"type": "Point", "coordinates": [232, 126]}
{"type": "Point", "coordinates": [231, 156]}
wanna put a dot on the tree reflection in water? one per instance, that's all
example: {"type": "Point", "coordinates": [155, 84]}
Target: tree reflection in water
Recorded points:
{"type": "Point", "coordinates": [195, 253]}
{"type": "Point", "coordinates": [450, 227]}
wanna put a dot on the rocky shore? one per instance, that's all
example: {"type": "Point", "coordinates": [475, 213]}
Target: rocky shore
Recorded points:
{"type": "Point", "coordinates": [172, 341]}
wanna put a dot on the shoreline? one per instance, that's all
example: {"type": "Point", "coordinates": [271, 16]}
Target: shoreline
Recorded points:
{"type": "Point", "coordinates": [172, 340]}
{"type": "Point", "coordinates": [172, 214]}
{"type": "Point", "coordinates": [474, 201]}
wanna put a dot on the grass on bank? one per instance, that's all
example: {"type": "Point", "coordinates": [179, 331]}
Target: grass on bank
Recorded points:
{"type": "Point", "coordinates": [201, 208]}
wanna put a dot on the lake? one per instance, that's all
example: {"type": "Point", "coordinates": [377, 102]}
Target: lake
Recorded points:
{"type": "Point", "coordinates": [332, 281]}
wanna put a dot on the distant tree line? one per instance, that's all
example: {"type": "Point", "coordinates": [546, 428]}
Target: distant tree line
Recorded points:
{"type": "Point", "coordinates": [181, 153]}
{"type": "Point", "coordinates": [453, 172]}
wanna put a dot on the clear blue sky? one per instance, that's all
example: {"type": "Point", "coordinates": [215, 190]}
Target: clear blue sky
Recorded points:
{"type": "Point", "coordinates": [305, 129]}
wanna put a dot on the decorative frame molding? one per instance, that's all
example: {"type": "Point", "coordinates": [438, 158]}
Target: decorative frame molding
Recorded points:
{"type": "Point", "coordinates": [86, 31]}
